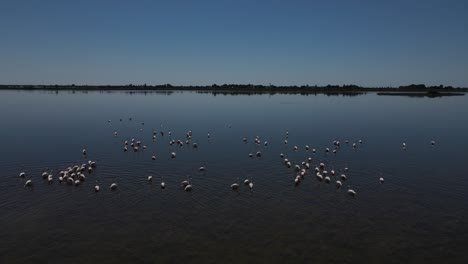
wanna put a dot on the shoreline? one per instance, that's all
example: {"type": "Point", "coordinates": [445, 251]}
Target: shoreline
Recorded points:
{"type": "Point", "coordinates": [251, 89]}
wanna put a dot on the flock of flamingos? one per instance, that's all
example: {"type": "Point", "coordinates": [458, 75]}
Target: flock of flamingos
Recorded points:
{"type": "Point", "coordinates": [74, 175]}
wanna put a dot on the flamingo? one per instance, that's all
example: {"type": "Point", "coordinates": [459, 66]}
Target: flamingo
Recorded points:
{"type": "Point", "coordinates": [297, 180]}
{"type": "Point", "coordinates": [235, 186]}
{"type": "Point", "coordinates": [319, 176]}
{"type": "Point", "coordinates": [163, 185]}
{"type": "Point", "coordinates": [188, 188]}
{"type": "Point", "coordinates": [70, 181]}
{"type": "Point", "coordinates": [28, 183]}
{"type": "Point", "coordinates": [322, 166]}
{"type": "Point", "coordinates": [185, 183]}
{"type": "Point", "coordinates": [338, 184]}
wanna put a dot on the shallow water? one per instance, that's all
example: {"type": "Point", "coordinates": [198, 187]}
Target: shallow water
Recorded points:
{"type": "Point", "coordinates": [418, 215]}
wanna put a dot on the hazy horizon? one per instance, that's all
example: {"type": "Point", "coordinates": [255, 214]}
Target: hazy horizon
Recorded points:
{"type": "Point", "coordinates": [370, 44]}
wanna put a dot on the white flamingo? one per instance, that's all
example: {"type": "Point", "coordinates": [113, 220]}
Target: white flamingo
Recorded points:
{"type": "Point", "coordinates": [319, 176]}
{"type": "Point", "coordinates": [188, 188]}
{"type": "Point", "coordinates": [235, 186]}
{"type": "Point", "coordinates": [163, 184]}
{"type": "Point", "coordinates": [338, 184]}
{"type": "Point", "coordinates": [28, 183]}
{"type": "Point", "coordinates": [185, 183]}
{"type": "Point", "coordinates": [297, 180]}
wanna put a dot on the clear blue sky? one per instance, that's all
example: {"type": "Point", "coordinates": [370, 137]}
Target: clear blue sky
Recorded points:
{"type": "Point", "coordinates": [369, 43]}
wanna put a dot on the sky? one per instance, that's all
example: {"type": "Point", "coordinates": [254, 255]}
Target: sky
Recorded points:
{"type": "Point", "coordinates": [368, 43]}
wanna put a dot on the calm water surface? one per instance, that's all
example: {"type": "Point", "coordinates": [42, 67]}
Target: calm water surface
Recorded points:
{"type": "Point", "coordinates": [419, 215]}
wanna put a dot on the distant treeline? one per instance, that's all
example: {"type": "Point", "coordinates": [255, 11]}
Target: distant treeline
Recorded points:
{"type": "Point", "coordinates": [245, 88]}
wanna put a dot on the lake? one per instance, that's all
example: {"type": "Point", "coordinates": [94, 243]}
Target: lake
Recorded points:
{"type": "Point", "coordinates": [418, 215]}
